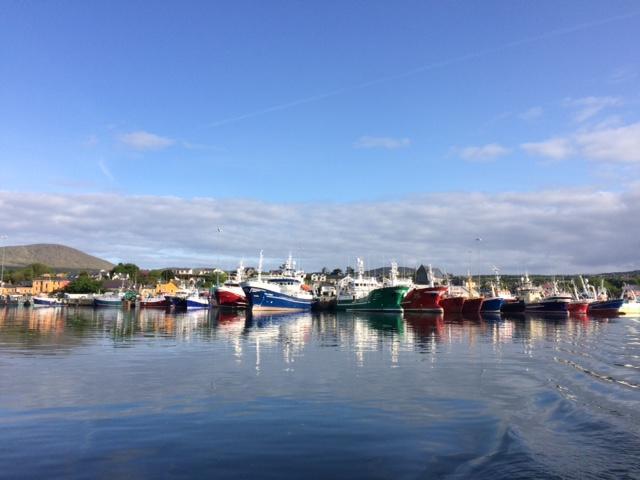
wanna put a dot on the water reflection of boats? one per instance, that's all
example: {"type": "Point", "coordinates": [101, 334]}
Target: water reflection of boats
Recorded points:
{"type": "Point", "coordinates": [229, 316]}
{"type": "Point", "coordinates": [490, 316]}
{"type": "Point", "coordinates": [263, 318]}
{"type": "Point", "coordinates": [425, 324]}
{"type": "Point", "coordinates": [382, 321]}
{"type": "Point", "coordinates": [231, 321]}
{"type": "Point", "coordinates": [546, 316]}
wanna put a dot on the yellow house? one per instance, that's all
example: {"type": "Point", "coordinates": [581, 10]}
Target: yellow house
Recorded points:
{"type": "Point", "coordinates": [168, 288]}
{"type": "Point", "coordinates": [48, 285]}
{"type": "Point", "coordinates": [16, 290]}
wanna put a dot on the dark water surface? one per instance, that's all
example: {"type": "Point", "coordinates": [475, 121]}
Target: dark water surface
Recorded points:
{"type": "Point", "coordinates": [108, 394]}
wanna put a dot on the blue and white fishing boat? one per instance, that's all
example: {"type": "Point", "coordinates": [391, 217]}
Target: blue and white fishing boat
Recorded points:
{"type": "Point", "coordinates": [42, 301]}
{"type": "Point", "coordinates": [554, 304]}
{"type": "Point", "coordinates": [494, 303]}
{"type": "Point", "coordinates": [195, 301]}
{"type": "Point", "coordinates": [282, 292]}
{"type": "Point", "coordinates": [598, 298]}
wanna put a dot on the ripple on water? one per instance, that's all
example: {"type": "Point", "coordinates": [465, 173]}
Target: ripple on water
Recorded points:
{"type": "Point", "coordinates": [88, 393]}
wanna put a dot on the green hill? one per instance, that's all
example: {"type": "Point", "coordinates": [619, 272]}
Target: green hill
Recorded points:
{"type": "Point", "coordinates": [58, 257]}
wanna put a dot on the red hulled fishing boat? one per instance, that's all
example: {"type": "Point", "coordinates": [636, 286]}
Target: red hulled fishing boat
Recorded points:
{"type": "Point", "coordinates": [424, 298]}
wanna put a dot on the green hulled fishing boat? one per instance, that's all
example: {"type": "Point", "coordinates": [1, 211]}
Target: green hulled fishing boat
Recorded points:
{"type": "Point", "coordinates": [353, 289]}
{"type": "Point", "coordinates": [383, 299]}
{"type": "Point", "coordinates": [386, 298]}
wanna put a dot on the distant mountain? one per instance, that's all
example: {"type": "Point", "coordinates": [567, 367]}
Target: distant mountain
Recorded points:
{"type": "Point", "coordinates": [58, 257]}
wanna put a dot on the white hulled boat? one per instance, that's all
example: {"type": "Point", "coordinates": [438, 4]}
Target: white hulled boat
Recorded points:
{"type": "Point", "coordinates": [231, 294]}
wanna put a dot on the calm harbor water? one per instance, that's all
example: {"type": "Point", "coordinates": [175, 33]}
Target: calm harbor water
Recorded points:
{"type": "Point", "coordinates": [149, 394]}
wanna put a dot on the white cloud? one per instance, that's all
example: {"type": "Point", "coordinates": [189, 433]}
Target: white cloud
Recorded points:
{"type": "Point", "coordinates": [541, 231]}
{"type": "Point", "coordinates": [105, 170]}
{"type": "Point", "coordinates": [555, 148]}
{"type": "Point", "coordinates": [483, 152]}
{"type": "Point", "coordinates": [141, 140]}
{"type": "Point", "coordinates": [604, 143]}
{"type": "Point", "coordinates": [588, 107]}
{"type": "Point", "coordinates": [621, 144]}
{"type": "Point", "coordinates": [388, 143]}
{"type": "Point", "coordinates": [532, 113]}
{"type": "Point", "coordinates": [623, 75]}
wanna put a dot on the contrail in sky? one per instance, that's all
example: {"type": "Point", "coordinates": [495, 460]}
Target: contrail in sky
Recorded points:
{"type": "Point", "coordinates": [424, 68]}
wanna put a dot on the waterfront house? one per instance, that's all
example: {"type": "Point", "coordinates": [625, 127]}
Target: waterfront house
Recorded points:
{"type": "Point", "coordinates": [168, 288]}
{"type": "Point", "coordinates": [22, 288]}
{"type": "Point", "coordinates": [48, 284]}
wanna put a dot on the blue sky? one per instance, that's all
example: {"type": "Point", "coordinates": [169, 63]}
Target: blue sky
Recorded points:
{"type": "Point", "coordinates": [305, 103]}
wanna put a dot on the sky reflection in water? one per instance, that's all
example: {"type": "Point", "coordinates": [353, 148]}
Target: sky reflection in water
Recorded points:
{"type": "Point", "coordinates": [97, 393]}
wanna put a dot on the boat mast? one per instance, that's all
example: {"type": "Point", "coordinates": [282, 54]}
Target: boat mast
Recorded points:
{"type": "Point", "coordinates": [495, 289]}
{"type": "Point", "coordinates": [393, 274]}
{"type": "Point", "coordinates": [360, 265]}
{"type": "Point", "coordinates": [260, 267]}
{"type": "Point", "coordinates": [240, 272]}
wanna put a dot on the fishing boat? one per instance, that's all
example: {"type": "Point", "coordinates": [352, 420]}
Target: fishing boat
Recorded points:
{"type": "Point", "coordinates": [350, 289]}
{"type": "Point", "coordinates": [230, 294]}
{"type": "Point", "coordinates": [451, 302]}
{"type": "Point", "coordinates": [473, 302]}
{"type": "Point", "coordinates": [157, 301]}
{"type": "Point", "coordinates": [598, 299]}
{"type": "Point", "coordinates": [42, 301]}
{"type": "Point", "coordinates": [494, 303]}
{"type": "Point", "coordinates": [387, 298]}
{"type": "Point", "coordinates": [606, 307]}
{"type": "Point", "coordinates": [196, 301]}
{"type": "Point", "coordinates": [526, 292]}
{"type": "Point", "coordinates": [178, 300]}
{"type": "Point", "coordinates": [631, 302]}
{"type": "Point", "coordinates": [108, 300]}
{"type": "Point", "coordinates": [425, 298]}
{"type": "Point", "coordinates": [553, 304]}
{"type": "Point", "coordinates": [577, 306]}
{"type": "Point", "coordinates": [285, 291]}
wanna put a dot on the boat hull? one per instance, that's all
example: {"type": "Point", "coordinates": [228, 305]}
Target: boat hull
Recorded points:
{"type": "Point", "coordinates": [606, 307]}
{"type": "Point", "coordinates": [423, 299]}
{"type": "Point", "coordinates": [384, 299]}
{"type": "Point", "coordinates": [492, 305]}
{"type": "Point", "coordinates": [630, 308]}
{"type": "Point", "coordinates": [472, 306]}
{"type": "Point", "coordinates": [269, 301]}
{"type": "Point", "coordinates": [46, 302]}
{"type": "Point", "coordinates": [560, 308]}
{"type": "Point", "coordinates": [154, 303]}
{"type": "Point", "coordinates": [513, 306]}
{"type": "Point", "coordinates": [196, 303]}
{"type": "Point", "coordinates": [179, 303]}
{"type": "Point", "coordinates": [99, 302]}
{"type": "Point", "coordinates": [227, 299]}
{"type": "Point", "coordinates": [578, 308]}
{"type": "Point", "coordinates": [452, 304]}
